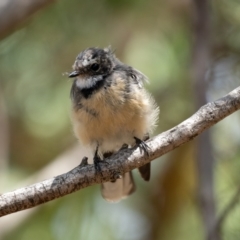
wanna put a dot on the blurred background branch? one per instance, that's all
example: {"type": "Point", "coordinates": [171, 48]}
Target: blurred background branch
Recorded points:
{"type": "Point", "coordinates": [204, 156]}
{"type": "Point", "coordinates": [226, 211]}
{"type": "Point", "coordinates": [15, 13]}
{"type": "Point", "coordinates": [4, 140]}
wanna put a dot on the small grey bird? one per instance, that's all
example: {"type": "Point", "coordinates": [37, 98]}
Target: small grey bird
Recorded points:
{"type": "Point", "coordinates": [111, 109]}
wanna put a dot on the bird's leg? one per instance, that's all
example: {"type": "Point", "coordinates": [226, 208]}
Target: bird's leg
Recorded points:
{"type": "Point", "coordinates": [124, 146]}
{"type": "Point", "coordinates": [144, 170]}
{"type": "Point", "coordinates": [142, 145]}
{"type": "Point", "coordinates": [96, 160]}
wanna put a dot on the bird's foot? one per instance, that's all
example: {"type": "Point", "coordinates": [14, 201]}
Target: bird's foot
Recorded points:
{"type": "Point", "coordinates": [142, 145]}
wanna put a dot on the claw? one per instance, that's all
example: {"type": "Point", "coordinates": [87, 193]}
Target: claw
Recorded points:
{"type": "Point", "coordinates": [96, 161]}
{"type": "Point", "coordinates": [124, 146]}
{"type": "Point", "coordinates": [84, 162]}
{"type": "Point", "coordinates": [142, 145]}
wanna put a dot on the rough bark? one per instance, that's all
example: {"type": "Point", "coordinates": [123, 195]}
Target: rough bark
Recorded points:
{"type": "Point", "coordinates": [125, 160]}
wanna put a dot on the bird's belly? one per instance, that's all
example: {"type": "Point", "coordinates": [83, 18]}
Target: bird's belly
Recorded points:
{"type": "Point", "coordinates": [109, 131]}
{"type": "Point", "coordinates": [110, 119]}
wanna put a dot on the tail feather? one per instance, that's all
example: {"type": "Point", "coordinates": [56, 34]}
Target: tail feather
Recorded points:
{"type": "Point", "coordinates": [145, 171]}
{"type": "Point", "coordinates": [121, 188]}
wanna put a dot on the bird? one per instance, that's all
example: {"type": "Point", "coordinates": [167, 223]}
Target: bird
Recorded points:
{"type": "Point", "coordinates": [111, 110]}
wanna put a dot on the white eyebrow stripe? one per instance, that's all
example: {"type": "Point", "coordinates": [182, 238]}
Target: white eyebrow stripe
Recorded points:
{"type": "Point", "coordinates": [85, 62]}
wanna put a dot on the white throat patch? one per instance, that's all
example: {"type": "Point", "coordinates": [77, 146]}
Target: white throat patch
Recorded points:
{"type": "Point", "coordinates": [88, 82]}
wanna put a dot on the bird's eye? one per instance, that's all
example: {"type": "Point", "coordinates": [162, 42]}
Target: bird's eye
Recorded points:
{"type": "Point", "coordinates": [94, 67]}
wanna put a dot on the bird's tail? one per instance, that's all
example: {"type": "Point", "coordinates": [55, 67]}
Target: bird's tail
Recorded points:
{"type": "Point", "coordinates": [119, 189]}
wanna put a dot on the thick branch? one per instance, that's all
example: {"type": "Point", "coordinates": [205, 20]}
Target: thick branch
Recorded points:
{"type": "Point", "coordinates": [123, 161]}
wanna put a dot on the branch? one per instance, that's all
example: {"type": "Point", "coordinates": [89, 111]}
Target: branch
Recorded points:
{"type": "Point", "coordinates": [125, 160]}
{"type": "Point", "coordinates": [233, 202]}
{"type": "Point", "coordinates": [204, 148]}
{"type": "Point", "coordinates": [62, 163]}
{"type": "Point", "coordinates": [15, 12]}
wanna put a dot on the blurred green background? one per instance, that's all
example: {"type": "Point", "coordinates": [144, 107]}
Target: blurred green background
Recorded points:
{"type": "Point", "coordinates": [155, 37]}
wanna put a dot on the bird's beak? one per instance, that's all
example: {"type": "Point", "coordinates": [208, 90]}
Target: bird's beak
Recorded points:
{"type": "Point", "coordinates": [73, 74]}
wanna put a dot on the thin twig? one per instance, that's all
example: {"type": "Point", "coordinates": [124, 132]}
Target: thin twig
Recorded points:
{"type": "Point", "coordinates": [123, 161]}
{"type": "Point", "coordinates": [222, 217]}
